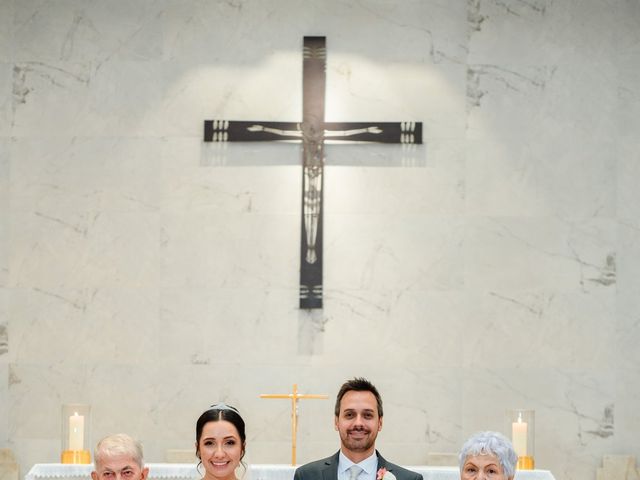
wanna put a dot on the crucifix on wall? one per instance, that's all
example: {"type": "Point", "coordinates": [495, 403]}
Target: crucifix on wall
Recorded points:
{"type": "Point", "coordinates": [312, 132]}
{"type": "Point", "coordinates": [294, 397]}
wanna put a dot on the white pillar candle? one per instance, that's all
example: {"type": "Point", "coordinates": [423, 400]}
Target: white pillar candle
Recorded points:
{"type": "Point", "coordinates": [76, 432]}
{"type": "Point", "coordinates": [519, 437]}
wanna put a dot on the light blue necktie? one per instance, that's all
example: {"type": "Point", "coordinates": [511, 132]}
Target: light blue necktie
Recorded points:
{"type": "Point", "coordinates": [354, 471]}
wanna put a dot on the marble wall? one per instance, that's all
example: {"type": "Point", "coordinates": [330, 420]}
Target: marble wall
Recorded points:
{"type": "Point", "coordinates": [494, 267]}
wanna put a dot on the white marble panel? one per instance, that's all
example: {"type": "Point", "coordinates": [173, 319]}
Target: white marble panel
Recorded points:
{"type": "Point", "coordinates": [628, 195]}
{"type": "Point", "coordinates": [628, 257]}
{"type": "Point", "coordinates": [427, 180]}
{"type": "Point", "coordinates": [628, 60]}
{"type": "Point", "coordinates": [229, 250]}
{"type": "Point", "coordinates": [270, 89]}
{"type": "Point", "coordinates": [6, 97]}
{"type": "Point", "coordinates": [400, 328]}
{"type": "Point", "coordinates": [628, 328]}
{"type": "Point", "coordinates": [4, 251]}
{"type": "Point", "coordinates": [135, 414]}
{"type": "Point", "coordinates": [522, 179]}
{"type": "Point", "coordinates": [85, 175]}
{"type": "Point", "coordinates": [235, 178]}
{"type": "Point", "coordinates": [5, 148]}
{"type": "Point", "coordinates": [4, 336]}
{"type": "Point", "coordinates": [26, 449]}
{"type": "Point", "coordinates": [205, 326]}
{"type": "Point", "coordinates": [540, 329]}
{"type": "Point", "coordinates": [74, 325]}
{"type": "Point", "coordinates": [4, 211]}
{"type": "Point", "coordinates": [7, 43]}
{"type": "Point", "coordinates": [84, 250]}
{"type": "Point", "coordinates": [628, 112]}
{"type": "Point", "coordinates": [537, 103]}
{"type": "Point", "coordinates": [35, 389]}
{"type": "Point", "coordinates": [627, 419]}
{"type": "Point", "coordinates": [574, 412]}
{"type": "Point", "coordinates": [232, 189]}
{"type": "Point", "coordinates": [79, 30]}
{"type": "Point", "coordinates": [215, 32]}
{"type": "Point", "coordinates": [393, 251]}
{"type": "Point", "coordinates": [509, 254]}
{"type": "Point", "coordinates": [48, 98]}
{"type": "Point", "coordinates": [422, 408]}
{"type": "Point", "coordinates": [542, 32]}
{"type": "Point", "coordinates": [626, 35]}
{"type": "Point", "coordinates": [81, 99]}
{"type": "Point", "coordinates": [4, 403]}
{"type": "Point", "coordinates": [369, 90]}
{"type": "Point", "coordinates": [431, 30]}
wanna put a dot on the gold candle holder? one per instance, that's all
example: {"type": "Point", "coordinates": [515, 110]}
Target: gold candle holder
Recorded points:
{"type": "Point", "coordinates": [520, 425]}
{"type": "Point", "coordinates": [76, 422]}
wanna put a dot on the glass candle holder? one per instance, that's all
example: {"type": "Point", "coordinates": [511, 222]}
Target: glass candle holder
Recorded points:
{"type": "Point", "coordinates": [76, 438]}
{"type": "Point", "coordinates": [520, 428]}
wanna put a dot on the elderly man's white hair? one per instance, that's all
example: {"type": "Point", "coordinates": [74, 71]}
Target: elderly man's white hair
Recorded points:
{"type": "Point", "coordinates": [118, 444]}
{"type": "Point", "coordinates": [490, 443]}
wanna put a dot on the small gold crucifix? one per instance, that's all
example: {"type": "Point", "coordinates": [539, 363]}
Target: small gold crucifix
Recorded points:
{"type": "Point", "coordinates": [295, 396]}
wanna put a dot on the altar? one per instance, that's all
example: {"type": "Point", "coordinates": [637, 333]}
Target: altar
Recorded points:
{"type": "Point", "coordinates": [188, 471]}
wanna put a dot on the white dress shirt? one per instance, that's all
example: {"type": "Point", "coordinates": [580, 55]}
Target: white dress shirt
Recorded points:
{"type": "Point", "coordinates": [369, 467]}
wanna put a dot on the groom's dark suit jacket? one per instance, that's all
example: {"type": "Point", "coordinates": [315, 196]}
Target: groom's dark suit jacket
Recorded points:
{"type": "Point", "coordinates": [327, 469]}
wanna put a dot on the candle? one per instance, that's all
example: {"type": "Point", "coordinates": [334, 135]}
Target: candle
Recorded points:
{"type": "Point", "coordinates": [76, 432]}
{"type": "Point", "coordinates": [519, 436]}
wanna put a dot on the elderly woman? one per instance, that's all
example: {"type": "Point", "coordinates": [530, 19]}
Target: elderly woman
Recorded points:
{"type": "Point", "coordinates": [487, 456]}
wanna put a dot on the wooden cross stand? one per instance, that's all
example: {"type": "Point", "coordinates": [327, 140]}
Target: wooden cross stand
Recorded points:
{"type": "Point", "coordinates": [295, 396]}
{"type": "Point", "coordinates": [312, 132]}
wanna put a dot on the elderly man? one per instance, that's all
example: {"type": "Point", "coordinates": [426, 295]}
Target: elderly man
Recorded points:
{"type": "Point", "coordinates": [358, 419]}
{"type": "Point", "coordinates": [119, 457]}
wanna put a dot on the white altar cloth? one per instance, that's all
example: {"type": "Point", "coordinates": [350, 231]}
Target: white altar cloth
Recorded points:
{"type": "Point", "coordinates": [65, 471]}
{"type": "Point", "coordinates": [187, 471]}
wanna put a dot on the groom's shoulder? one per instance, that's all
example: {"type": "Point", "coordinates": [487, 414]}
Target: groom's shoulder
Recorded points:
{"type": "Point", "coordinates": [316, 465]}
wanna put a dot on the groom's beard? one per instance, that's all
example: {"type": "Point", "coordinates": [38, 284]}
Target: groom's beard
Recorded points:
{"type": "Point", "coordinates": [358, 439]}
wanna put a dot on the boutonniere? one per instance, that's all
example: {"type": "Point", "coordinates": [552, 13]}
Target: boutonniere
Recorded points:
{"type": "Point", "coordinates": [384, 474]}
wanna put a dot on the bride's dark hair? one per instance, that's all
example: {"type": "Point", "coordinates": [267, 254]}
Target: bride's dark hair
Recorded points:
{"type": "Point", "coordinates": [217, 413]}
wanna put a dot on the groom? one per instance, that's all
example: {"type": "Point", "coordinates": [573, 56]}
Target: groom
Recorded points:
{"type": "Point", "coordinates": [358, 419]}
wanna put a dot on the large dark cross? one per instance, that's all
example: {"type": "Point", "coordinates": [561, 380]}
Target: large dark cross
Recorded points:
{"type": "Point", "coordinates": [313, 131]}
